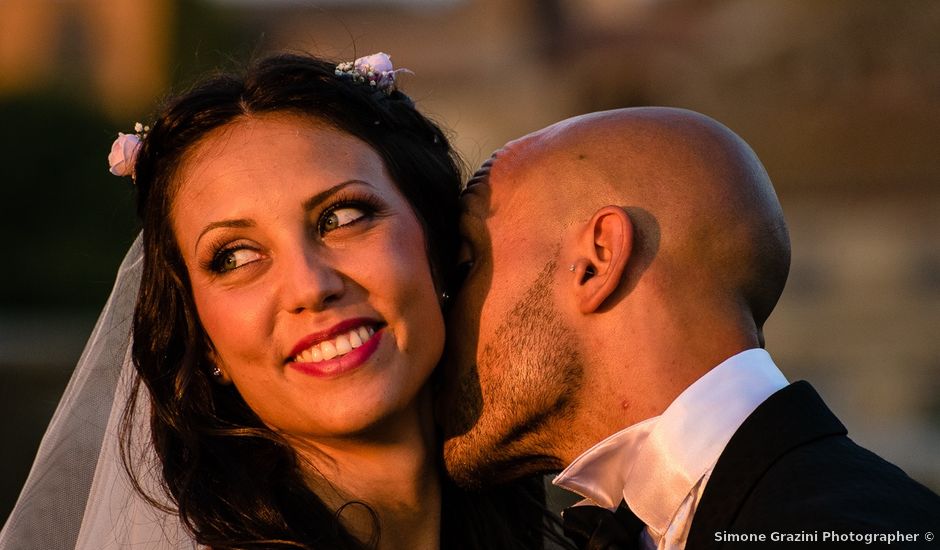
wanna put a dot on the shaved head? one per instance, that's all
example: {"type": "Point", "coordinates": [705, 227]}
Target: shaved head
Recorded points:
{"type": "Point", "coordinates": [663, 233]}
{"type": "Point", "coordinates": [713, 202]}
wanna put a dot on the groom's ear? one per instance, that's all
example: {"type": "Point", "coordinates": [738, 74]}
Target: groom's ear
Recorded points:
{"type": "Point", "coordinates": [604, 245]}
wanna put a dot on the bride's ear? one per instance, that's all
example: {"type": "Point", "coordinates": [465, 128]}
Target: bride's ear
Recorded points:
{"type": "Point", "coordinates": [604, 244]}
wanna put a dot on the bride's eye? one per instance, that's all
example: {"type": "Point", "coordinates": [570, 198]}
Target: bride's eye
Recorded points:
{"type": "Point", "coordinates": [229, 259]}
{"type": "Point", "coordinates": [340, 216]}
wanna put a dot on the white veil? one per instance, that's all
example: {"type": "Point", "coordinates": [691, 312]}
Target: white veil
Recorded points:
{"type": "Point", "coordinates": [78, 494]}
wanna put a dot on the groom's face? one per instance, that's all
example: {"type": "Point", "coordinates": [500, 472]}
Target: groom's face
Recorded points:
{"type": "Point", "coordinates": [511, 361]}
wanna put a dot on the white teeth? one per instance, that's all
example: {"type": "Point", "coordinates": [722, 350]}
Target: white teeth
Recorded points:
{"type": "Point", "coordinates": [328, 349]}
{"type": "Point", "coordinates": [354, 340]}
{"type": "Point", "coordinates": [341, 345]}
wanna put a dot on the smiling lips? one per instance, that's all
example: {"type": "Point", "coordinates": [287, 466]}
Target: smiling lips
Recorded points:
{"type": "Point", "coordinates": [339, 349]}
{"type": "Point", "coordinates": [336, 347]}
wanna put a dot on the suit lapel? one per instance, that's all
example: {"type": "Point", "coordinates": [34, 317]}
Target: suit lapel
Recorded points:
{"type": "Point", "coordinates": [790, 417]}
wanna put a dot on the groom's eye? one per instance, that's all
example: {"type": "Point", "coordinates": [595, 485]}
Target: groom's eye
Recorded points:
{"type": "Point", "coordinates": [463, 269]}
{"type": "Point", "coordinates": [464, 265]}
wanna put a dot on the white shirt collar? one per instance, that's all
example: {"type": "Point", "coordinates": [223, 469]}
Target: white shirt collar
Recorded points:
{"type": "Point", "coordinates": [653, 465]}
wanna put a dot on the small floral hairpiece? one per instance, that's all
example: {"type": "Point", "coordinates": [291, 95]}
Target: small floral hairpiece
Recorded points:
{"type": "Point", "coordinates": [376, 70]}
{"type": "Point", "coordinates": [123, 156]}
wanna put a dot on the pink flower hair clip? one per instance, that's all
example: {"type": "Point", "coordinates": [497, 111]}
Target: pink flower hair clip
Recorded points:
{"type": "Point", "coordinates": [123, 156]}
{"type": "Point", "coordinates": [376, 70]}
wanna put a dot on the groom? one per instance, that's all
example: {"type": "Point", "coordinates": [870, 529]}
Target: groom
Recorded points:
{"type": "Point", "coordinates": [619, 269]}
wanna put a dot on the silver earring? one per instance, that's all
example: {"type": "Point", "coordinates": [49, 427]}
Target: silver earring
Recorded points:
{"type": "Point", "coordinates": [216, 371]}
{"type": "Point", "coordinates": [571, 268]}
{"type": "Point", "coordinates": [445, 296]}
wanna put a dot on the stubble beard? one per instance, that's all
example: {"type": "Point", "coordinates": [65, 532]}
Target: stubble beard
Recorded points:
{"type": "Point", "coordinates": [533, 371]}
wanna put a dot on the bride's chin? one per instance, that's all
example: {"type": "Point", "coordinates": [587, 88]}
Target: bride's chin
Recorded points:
{"type": "Point", "coordinates": [410, 422]}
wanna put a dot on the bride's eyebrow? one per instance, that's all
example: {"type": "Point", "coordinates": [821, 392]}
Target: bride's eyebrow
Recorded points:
{"type": "Point", "coordinates": [322, 196]}
{"type": "Point", "coordinates": [241, 222]}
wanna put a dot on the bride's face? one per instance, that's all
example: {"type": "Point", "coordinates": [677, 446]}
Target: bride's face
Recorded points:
{"type": "Point", "coordinates": [309, 273]}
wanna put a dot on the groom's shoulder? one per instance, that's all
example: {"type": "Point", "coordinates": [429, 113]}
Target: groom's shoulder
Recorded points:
{"type": "Point", "coordinates": [834, 482]}
{"type": "Point", "coordinates": [791, 465]}
{"type": "Point", "coordinates": [817, 477]}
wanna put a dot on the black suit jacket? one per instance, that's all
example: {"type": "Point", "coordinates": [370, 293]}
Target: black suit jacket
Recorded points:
{"type": "Point", "coordinates": [790, 468]}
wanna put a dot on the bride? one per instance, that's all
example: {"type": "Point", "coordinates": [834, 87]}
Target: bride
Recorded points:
{"type": "Point", "coordinates": [298, 236]}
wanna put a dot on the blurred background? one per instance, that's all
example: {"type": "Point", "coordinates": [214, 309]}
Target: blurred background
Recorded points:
{"type": "Point", "coordinates": [840, 98]}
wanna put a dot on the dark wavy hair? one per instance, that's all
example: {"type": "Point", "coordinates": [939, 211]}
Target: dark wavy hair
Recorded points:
{"type": "Point", "coordinates": [259, 499]}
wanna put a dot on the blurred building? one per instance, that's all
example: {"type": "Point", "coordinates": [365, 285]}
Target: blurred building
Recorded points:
{"type": "Point", "coordinates": [115, 52]}
{"type": "Point", "coordinates": [840, 99]}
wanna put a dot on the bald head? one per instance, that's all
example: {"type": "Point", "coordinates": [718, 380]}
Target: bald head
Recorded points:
{"type": "Point", "coordinates": [703, 204]}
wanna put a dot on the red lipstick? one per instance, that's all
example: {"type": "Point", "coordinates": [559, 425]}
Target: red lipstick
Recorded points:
{"type": "Point", "coordinates": [341, 364]}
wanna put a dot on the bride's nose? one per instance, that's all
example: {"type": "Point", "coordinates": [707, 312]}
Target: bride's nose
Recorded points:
{"type": "Point", "coordinates": [310, 282]}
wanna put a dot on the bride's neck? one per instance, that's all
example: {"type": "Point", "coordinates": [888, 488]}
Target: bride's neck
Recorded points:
{"type": "Point", "coordinates": [394, 472]}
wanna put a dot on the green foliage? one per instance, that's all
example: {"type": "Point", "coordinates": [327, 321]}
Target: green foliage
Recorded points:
{"type": "Point", "coordinates": [208, 37]}
{"type": "Point", "coordinates": [66, 221]}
